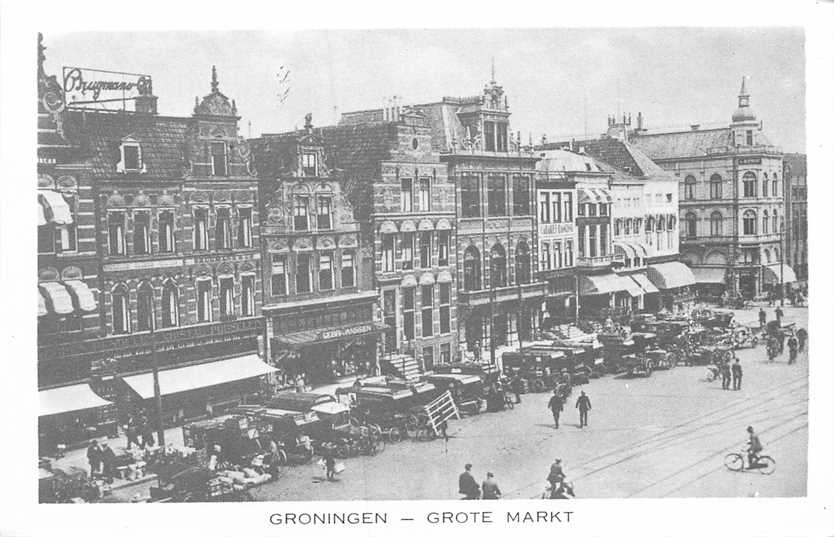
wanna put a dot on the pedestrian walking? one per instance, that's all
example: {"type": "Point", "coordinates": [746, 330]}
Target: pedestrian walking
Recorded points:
{"type": "Point", "coordinates": [583, 403]}
{"type": "Point", "coordinates": [515, 385]}
{"type": "Point", "coordinates": [146, 432]}
{"type": "Point", "coordinates": [330, 465]}
{"type": "Point", "coordinates": [132, 433]}
{"type": "Point", "coordinates": [779, 315]}
{"type": "Point", "coordinates": [762, 318]}
{"type": "Point", "coordinates": [556, 405]}
{"type": "Point", "coordinates": [725, 375]}
{"type": "Point", "coordinates": [108, 460]}
{"type": "Point", "coordinates": [737, 374]}
{"type": "Point", "coordinates": [444, 429]}
{"type": "Point", "coordinates": [801, 337]}
{"type": "Point", "coordinates": [94, 458]}
{"type": "Point", "coordinates": [793, 344]}
{"type": "Point", "coordinates": [556, 474]}
{"type": "Point", "coordinates": [467, 484]}
{"type": "Point", "coordinates": [490, 488]}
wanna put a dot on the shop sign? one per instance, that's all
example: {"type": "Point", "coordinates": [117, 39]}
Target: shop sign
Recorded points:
{"type": "Point", "coordinates": [557, 229]}
{"type": "Point", "coordinates": [337, 333]}
{"type": "Point", "coordinates": [87, 86]}
{"type": "Point", "coordinates": [744, 161]}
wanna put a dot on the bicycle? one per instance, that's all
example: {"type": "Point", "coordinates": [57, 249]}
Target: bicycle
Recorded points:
{"type": "Point", "coordinates": [735, 462]}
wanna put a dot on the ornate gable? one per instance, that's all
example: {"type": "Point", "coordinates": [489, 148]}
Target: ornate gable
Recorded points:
{"type": "Point", "coordinates": [215, 103]}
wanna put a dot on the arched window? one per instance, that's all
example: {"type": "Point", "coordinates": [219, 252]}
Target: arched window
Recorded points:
{"type": "Point", "coordinates": [324, 206]}
{"type": "Point", "coordinates": [749, 222]}
{"type": "Point", "coordinates": [765, 223]}
{"type": "Point", "coordinates": [522, 263]}
{"type": "Point", "coordinates": [767, 256]}
{"type": "Point", "coordinates": [749, 182]}
{"type": "Point", "coordinates": [775, 186]}
{"type": "Point", "coordinates": [638, 222]}
{"type": "Point", "coordinates": [765, 190]}
{"type": "Point", "coordinates": [471, 269]}
{"type": "Point", "coordinates": [775, 222]}
{"type": "Point", "coordinates": [627, 228]}
{"type": "Point", "coordinates": [144, 307]}
{"type": "Point", "coordinates": [650, 224]}
{"type": "Point", "coordinates": [661, 224]}
{"type": "Point", "coordinates": [715, 187]}
{"type": "Point", "coordinates": [498, 266]}
{"type": "Point", "coordinates": [170, 305]}
{"type": "Point", "coordinates": [691, 225]}
{"type": "Point", "coordinates": [121, 309]}
{"type": "Point", "coordinates": [716, 224]}
{"type": "Point", "coordinates": [618, 226]}
{"type": "Point", "coordinates": [689, 188]}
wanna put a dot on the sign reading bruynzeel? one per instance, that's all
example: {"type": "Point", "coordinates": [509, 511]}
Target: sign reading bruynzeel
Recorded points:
{"type": "Point", "coordinates": [93, 86]}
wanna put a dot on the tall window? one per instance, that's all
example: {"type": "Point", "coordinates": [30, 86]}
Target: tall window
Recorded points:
{"type": "Point", "coordinates": [691, 225]}
{"type": "Point", "coordinates": [428, 357]}
{"type": "Point", "coordinates": [567, 206]}
{"type": "Point", "coordinates": [247, 295]}
{"type": "Point", "coordinates": [618, 225]}
{"type": "Point", "coordinates": [389, 312]}
{"type": "Point", "coordinates": [323, 210]}
{"type": "Point", "coordinates": [749, 222]}
{"type": "Point", "coordinates": [299, 213]}
{"type": "Point", "coordinates": [425, 249]}
{"type": "Point", "coordinates": [325, 271]}
{"type": "Point", "coordinates": [200, 229]}
{"type": "Point", "coordinates": [557, 254]}
{"type": "Point", "coordinates": [408, 313]}
{"type": "Point", "coordinates": [569, 253]}
{"type": "Point", "coordinates": [689, 188]}
{"type": "Point", "coordinates": [749, 183]}
{"type": "Point", "coordinates": [302, 273]}
{"type": "Point", "coordinates": [470, 196]}
{"type": "Point", "coordinates": [348, 276]}
{"type": "Point", "coordinates": [67, 232]}
{"type": "Point", "coordinates": [521, 195]}
{"type": "Point", "coordinates": [424, 200]}
{"type": "Point", "coordinates": [223, 231]}
{"type": "Point", "coordinates": [715, 187]}
{"type": "Point", "coordinates": [279, 275]}
{"type": "Point", "coordinates": [592, 241]}
{"type": "Point", "coordinates": [166, 231]}
{"type": "Point", "coordinates": [627, 226]}
{"type": "Point", "coordinates": [592, 209]}
{"type": "Point", "coordinates": [388, 252]}
{"type": "Point", "coordinates": [775, 222]}
{"type": "Point", "coordinates": [489, 136]}
{"type": "Point", "coordinates": [544, 207]}
{"type": "Point", "coordinates": [308, 164]}
{"type": "Point", "coordinates": [445, 353]}
{"type": "Point", "coordinates": [775, 187]}
{"type": "Point", "coordinates": [765, 190]}
{"type": "Point", "coordinates": [116, 232]}
{"type": "Point", "coordinates": [582, 232]}
{"type": "Point", "coordinates": [544, 256]}
{"type": "Point", "coordinates": [121, 310]}
{"type": "Point", "coordinates": [443, 248]}
{"type": "Point", "coordinates": [445, 292]}
{"type": "Point", "coordinates": [502, 137]}
{"type": "Point", "coordinates": [244, 229]}
{"type": "Point", "coordinates": [407, 249]}
{"type": "Point", "coordinates": [471, 269]}
{"type": "Point", "coordinates": [144, 307]}
{"type": "Point", "coordinates": [498, 266]}
{"type": "Point", "coordinates": [204, 300]}
{"type": "Point", "coordinates": [765, 223]}
{"type": "Point", "coordinates": [496, 195]}
{"type": "Point", "coordinates": [749, 137]}
{"type": "Point", "coordinates": [716, 224]}
{"type": "Point", "coordinates": [46, 239]}
{"type": "Point", "coordinates": [522, 263]}
{"type": "Point", "coordinates": [227, 296]}
{"type": "Point", "coordinates": [218, 159]}
{"type": "Point", "coordinates": [556, 204]}
{"type": "Point", "coordinates": [427, 303]}
{"type": "Point", "coordinates": [406, 194]}
{"type": "Point", "coordinates": [170, 305]}
{"type": "Point", "coordinates": [141, 232]}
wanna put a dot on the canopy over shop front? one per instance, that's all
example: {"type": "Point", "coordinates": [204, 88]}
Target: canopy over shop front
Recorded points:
{"type": "Point", "coordinates": [60, 301]}
{"type": "Point", "coordinates": [68, 399]}
{"type": "Point", "coordinates": [53, 208]}
{"type": "Point", "coordinates": [670, 275]}
{"type": "Point", "coordinates": [193, 377]}
{"type": "Point", "coordinates": [311, 337]}
{"type": "Point", "coordinates": [630, 286]}
{"type": "Point", "coordinates": [600, 284]}
{"type": "Point", "coordinates": [83, 295]}
{"type": "Point", "coordinates": [594, 195]}
{"type": "Point", "coordinates": [773, 275]}
{"type": "Point", "coordinates": [709, 274]}
{"type": "Point", "coordinates": [644, 283]}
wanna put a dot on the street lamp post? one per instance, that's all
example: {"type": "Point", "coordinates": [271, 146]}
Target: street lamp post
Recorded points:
{"type": "Point", "coordinates": [781, 264]}
{"type": "Point", "coordinates": [157, 393]}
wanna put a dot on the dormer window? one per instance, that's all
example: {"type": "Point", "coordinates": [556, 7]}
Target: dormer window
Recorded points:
{"type": "Point", "coordinates": [131, 157]}
{"type": "Point", "coordinates": [308, 164]}
{"type": "Point", "coordinates": [218, 159]}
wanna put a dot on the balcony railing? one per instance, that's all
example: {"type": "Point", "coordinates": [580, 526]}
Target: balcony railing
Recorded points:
{"type": "Point", "coordinates": [502, 294]}
{"type": "Point", "coordinates": [599, 261]}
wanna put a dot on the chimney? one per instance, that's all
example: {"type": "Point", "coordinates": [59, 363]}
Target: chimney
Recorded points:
{"type": "Point", "coordinates": [695, 126]}
{"type": "Point", "coordinates": [639, 121]}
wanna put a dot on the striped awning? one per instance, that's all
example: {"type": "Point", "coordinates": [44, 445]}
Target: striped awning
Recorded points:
{"type": "Point", "coordinates": [773, 274]}
{"type": "Point", "coordinates": [57, 209]}
{"type": "Point", "coordinates": [670, 275]}
{"type": "Point", "coordinates": [600, 284]}
{"type": "Point", "coordinates": [82, 294]}
{"type": "Point", "coordinates": [644, 283]}
{"type": "Point", "coordinates": [59, 299]}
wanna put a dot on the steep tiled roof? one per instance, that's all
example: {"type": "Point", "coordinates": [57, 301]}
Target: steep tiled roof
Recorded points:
{"type": "Point", "coordinates": [614, 155]}
{"type": "Point", "coordinates": [556, 160]}
{"type": "Point", "coordinates": [681, 144]}
{"type": "Point", "coordinates": [163, 141]}
{"type": "Point", "coordinates": [273, 154]}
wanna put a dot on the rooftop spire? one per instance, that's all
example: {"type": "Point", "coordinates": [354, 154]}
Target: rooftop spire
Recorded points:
{"type": "Point", "coordinates": [214, 79]}
{"type": "Point", "coordinates": [41, 55]}
{"type": "Point", "coordinates": [492, 74]}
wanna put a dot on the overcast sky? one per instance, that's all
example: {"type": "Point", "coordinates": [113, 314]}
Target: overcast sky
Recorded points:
{"type": "Point", "coordinates": [563, 82]}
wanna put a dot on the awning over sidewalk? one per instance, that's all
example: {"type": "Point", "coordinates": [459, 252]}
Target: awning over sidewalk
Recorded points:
{"type": "Point", "coordinates": [193, 377]}
{"type": "Point", "coordinates": [670, 275]}
{"type": "Point", "coordinates": [83, 295]}
{"type": "Point", "coordinates": [599, 284]}
{"type": "Point", "coordinates": [630, 286]}
{"type": "Point", "coordinates": [59, 298]}
{"type": "Point", "coordinates": [57, 209]}
{"type": "Point", "coordinates": [311, 337]}
{"type": "Point", "coordinates": [594, 195]}
{"type": "Point", "coordinates": [644, 283]}
{"type": "Point", "coordinates": [773, 275]}
{"type": "Point", "coordinates": [709, 274]}
{"type": "Point", "coordinates": [68, 399]}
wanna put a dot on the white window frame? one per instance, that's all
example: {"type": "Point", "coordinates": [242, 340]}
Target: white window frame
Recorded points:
{"type": "Point", "coordinates": [121, 165]}
{"type": "Point", "coordinates": [227, 296]}
{"type": "Point", "coordinates": [212, 145]}
{"type": "Point", "coordinates": [247, 295]}
{"type": "Point", "coordinates": [209, 310]}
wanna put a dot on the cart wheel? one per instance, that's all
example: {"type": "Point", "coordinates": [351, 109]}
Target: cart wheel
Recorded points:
{"type": "Point", "coordinates": [282, 457]}
{"type": "Point", "coordinates": [412, 424]}
{"type": "Point", "coordinates": [393, 435]}
{"type": "Point", "coordinates": [375, 432]}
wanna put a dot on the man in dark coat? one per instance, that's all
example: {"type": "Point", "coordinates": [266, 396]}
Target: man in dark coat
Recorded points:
{"type": "Point", "coordinates": [725, 375]}
{"type": "Point", "coordinates": [583, 403]}
{"type": "Point", "coordinates": [779, 315]}
{"type": "Point", "coordinates": [108, 460]}
{"type": "Point", "coordinates": [737, 375]}
{"type": "Point", "coordinates": [467, 484]}
{"type": "Point", "coordinates": [94, 458]}
{"type": "Point", "coordinates": [556, 473]}
{"type": "Point", "coordinates": [762, 317]}
{"type": "Point", "coordinates": [556, 405]}
{"type": "Point", "coordinates": [515, 385]}
{"type": "Point", "coordinates": [490, 488]}
{"type": "Point", "coordinates": [801, 337]}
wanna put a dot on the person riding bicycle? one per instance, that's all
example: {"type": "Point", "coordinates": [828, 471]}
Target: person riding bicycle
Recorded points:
{"type": "Point", "coordinates": [754, 447]}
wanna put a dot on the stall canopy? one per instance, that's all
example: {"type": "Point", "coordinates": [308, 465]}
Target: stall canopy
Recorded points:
{"type": "Point", "coordinates": [773, 275]}
{"type": "Point", "coordinates": [83, 295]}
{"type": "Point", "coordinates": [59, 298]}
{"type": "Point", "coordinates": [630, 286]}
{"type": "Point", "coordinates": [600, 284]}
{"type": "Point", "coordinates": [709, 274]}
{"type": "Point", "coordinates": [644, 283]}
{"type": "Point", "coordinates": [200, 376]}
{"type": "Point", "coordinates": [68, 399]}
{"type": "Point", "coordinates": [57, 210]}
{"type": "Point", "coordinates": [670, 275]}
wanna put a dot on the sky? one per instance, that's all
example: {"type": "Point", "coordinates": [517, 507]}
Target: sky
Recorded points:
{"type": "Point", "coordinates": [560, 82]}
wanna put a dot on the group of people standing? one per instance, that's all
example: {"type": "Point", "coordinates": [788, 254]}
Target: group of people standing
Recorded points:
{"type": "Point", "coordinates": [102, 461]}
{"type": "Point", "coordinates": [468, 486]}
{"type": "Point", "coordinates": [557, 404]}
{"type": "Point", "coordinates": [139, 431]}
{"type": "Point", "coordinates": [731, 374]}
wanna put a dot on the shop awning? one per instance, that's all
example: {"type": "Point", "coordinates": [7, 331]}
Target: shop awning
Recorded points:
{"type": "Point", "coordinates": [193, 377]}
{"type": "Point", "coordinates": [68, 399]}
{"type": "Point", "coordinates": [59, 298]}
{"type": "Point", "coordinates": [41, 305]}
{"type": "Point", "coordinates": [600, 284]}
{"type": "Point", "coordinates": [425, 225]}
{"type": "Point", "coordinates": [644, 283]}
{"type": "Point", "coordinates": [444, 277]}
{"type": "Point", "coordinates": [83, 295]}
{"type": "Point", "coordinates": [42, 221]}
{"type": "Point", "coordinates": [630, 286]}
{"type": "Point", "coordinates": [57, 209]}
{"type": "Point", "coordinates": [427, 278]}
{"type": "Point", "coordinates": [407, 226]}
{"type": "Point", "coordinates": [709, 274]}
{"type": "Point", "coordinates": [773, 275]}
{"type": "Point", "coordinates": [670, 275]}
{"type": "Point", "coordinates": [409, 281]}
{"type": "Point", "coordinates": [314, 337]}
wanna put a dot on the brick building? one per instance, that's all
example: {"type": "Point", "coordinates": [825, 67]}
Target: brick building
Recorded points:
{"type": "Point", "coordinates": [796, 212]}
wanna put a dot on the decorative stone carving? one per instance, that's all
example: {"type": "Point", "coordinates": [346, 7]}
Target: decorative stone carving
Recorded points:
{"type": "Point", "coordinates": [247, 266]}
{"type": "Point", "coordinates": [48, 274]}
{"type": "Point", "coordinates": [115, 200]}
{"type": "Point", "coordinates": [72, 273]}
{"type": "Point", "coordinates": [225, 268]}
{"type": "Point", "coordinates": [222, 196]}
